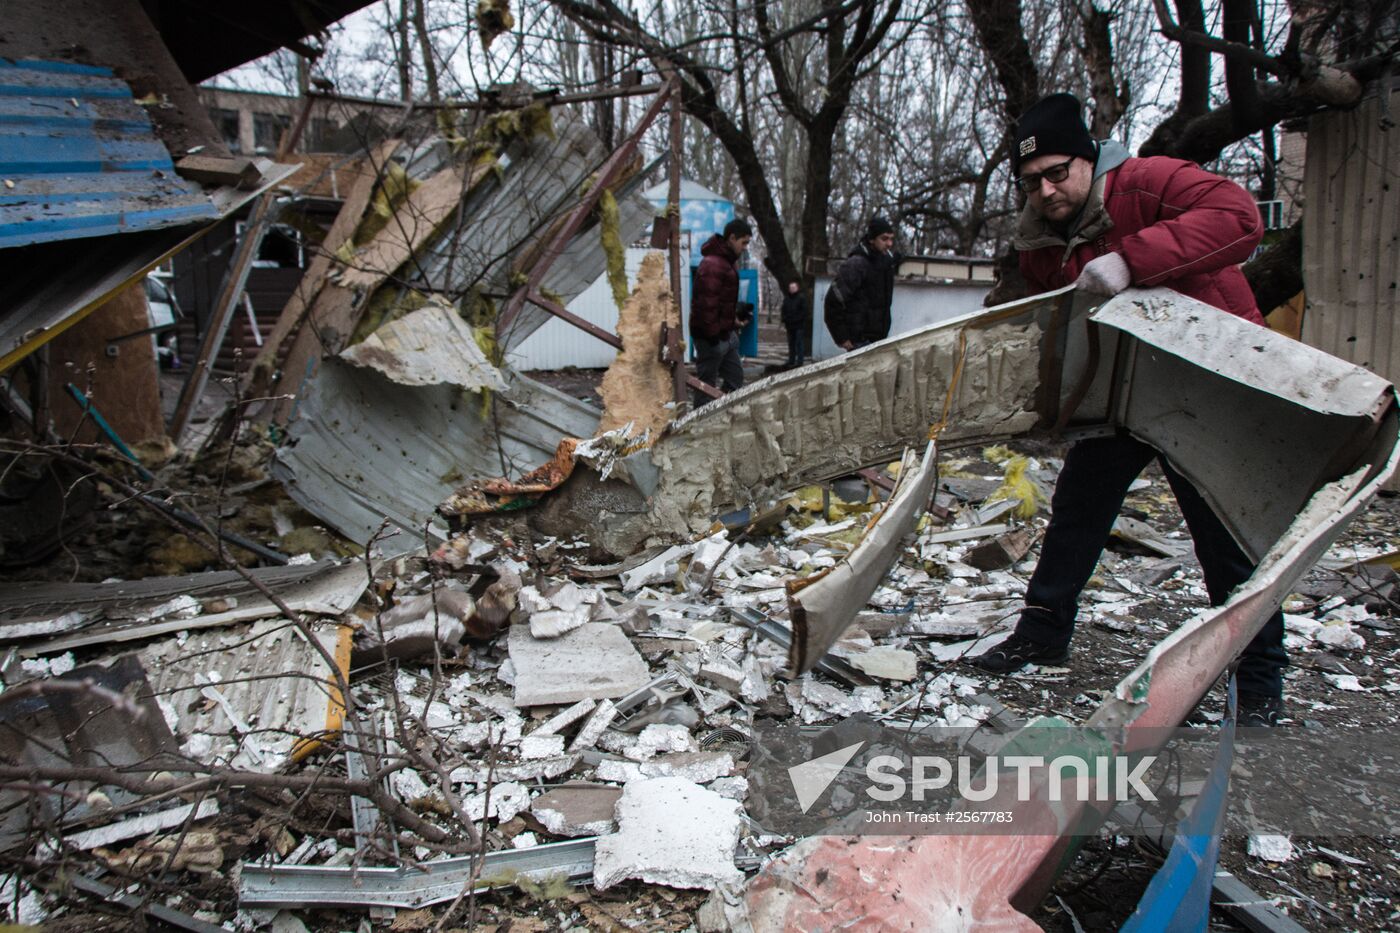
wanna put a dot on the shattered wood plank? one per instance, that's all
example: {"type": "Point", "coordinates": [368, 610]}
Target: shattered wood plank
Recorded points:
{"type": "Point", "coordinates": [413, 223]}
{"type": "Point", "coordinates": [821, 611]}
{"type": "Point", "coordinates": [637, 387]}
{"type": "Point", "coordinates": [293, 317]}
{"type": "Point", "coordinates": [339, 303]}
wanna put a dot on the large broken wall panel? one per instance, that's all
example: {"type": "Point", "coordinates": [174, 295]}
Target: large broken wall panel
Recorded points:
{"type": "Point", "coordinates": [365, 448]}
{"type": "Point", "coordinates": [852, 411]}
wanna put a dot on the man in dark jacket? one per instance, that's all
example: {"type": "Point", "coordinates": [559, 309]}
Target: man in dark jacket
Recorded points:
{"type": "Point", "coordinates": [857, 305]}
{"type": "Point", "coordinates": [796, 317]}
{"type": "Point", "coordinates": [1104, 221]}
{"type": "Point", "coordinates": [715, 318]}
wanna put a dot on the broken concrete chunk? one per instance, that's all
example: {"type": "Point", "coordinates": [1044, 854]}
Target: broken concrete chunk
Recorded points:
{"type": "Point", "coordinates": [660, 569]}
{"type": "Point", "coordinates": [1001, 552]}
{"type": "Point", "coordinates": [533, 747]}
{"type": "Point", "coordinates": [700, 767]}
{"type": "Point", "coordinates": [565, 718]}
{"type": "Point", "coordinates": [887, 663]}
{"type": "Point", "coordinates": [480, 773]}
{"type": "Point", "coordinates": [723, 673]}
{"type": "Point", "coordinates": [506, 800]}
{"type": "Point", "coordinates": [1270, 847]}
{"type": "Point", "coordinates": [705, 560]}
{"type": "Point", "coordinates": [670, 832]}
{"type": "Point", "coordinates": [661, 737]}
{"type": "Point", "coordinates": [1340, 635]}
{"type": "Point", "coordinates": [592, 729]}
{"type": "Point", "coordinates": [577, 809]}
{"type": "Point", "coordinates": [594, 661]}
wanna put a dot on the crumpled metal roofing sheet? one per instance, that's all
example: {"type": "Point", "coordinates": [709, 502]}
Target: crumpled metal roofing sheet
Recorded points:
{"type": "Point", "coordinates": [365, 449]}
{"type": "Point", "coordinates": [80, 158]}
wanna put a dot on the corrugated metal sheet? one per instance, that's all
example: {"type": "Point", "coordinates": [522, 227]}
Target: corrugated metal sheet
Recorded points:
{"type": "Point", "coordinates": [366, 449]}
{"type": "Point", "coordinates": [558, 343]}
{"type": "Point", "coordinates": [1351, 237]}
{"type": "Point", "coordinates": [80, 158]}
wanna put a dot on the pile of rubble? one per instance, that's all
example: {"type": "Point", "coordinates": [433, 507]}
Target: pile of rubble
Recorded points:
{"type": "Point", "coordinates": [571, 722]}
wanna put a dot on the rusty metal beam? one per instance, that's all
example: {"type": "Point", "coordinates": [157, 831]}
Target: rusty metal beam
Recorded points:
{"type": "Point", "coordinates": [565, 232]}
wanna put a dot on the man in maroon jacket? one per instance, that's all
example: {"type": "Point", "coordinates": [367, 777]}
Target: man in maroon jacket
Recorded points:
{"type": "Point", "coordinates": [1104, 221]}
{"type": "Point", "coordinates": [715, 321]}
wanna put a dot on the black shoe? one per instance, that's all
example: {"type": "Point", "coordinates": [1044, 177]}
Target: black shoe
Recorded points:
{"type": "Point", "coordinates": [1018, 651]}
{"type": "Point", "coordinates": [1259, 710]}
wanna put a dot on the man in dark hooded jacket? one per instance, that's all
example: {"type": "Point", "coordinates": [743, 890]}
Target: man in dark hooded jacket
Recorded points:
{"type": "Point", "coordinates": [715, 319]}
{"type": "Point", "coordinates": [857, 305]}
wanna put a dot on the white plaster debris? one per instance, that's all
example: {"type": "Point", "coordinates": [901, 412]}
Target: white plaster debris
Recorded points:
{"type": "Point", "coordinates": [408, 785]}
{"type": "Point", "coordinates": [705, 559]}
{"type": "Point", "coordinates": [593, 729]}
{"type": "Point", "coordinates": [480, 773]}
{"type": "Point", "coordinates": [1344, 682]}
{"type": "Point", "coordinates": [660, 569]}
{"type": "Point", "coordinates": [1340, 635]}
{"type": "Point", "coordinates": [661, 737]}
{"type": "Point", "coordinates": [594, 661]}
{"type": "Point", "coordinates": [49, 667]}
{"type": "Point", "coordinates": [1270, 847]}
{"type": "Point", "coordinates": [561, 609]}
{"type": "Point", "coordinates": [671, 832]}
{"type": "Point", "coordinates": [888, 663]}
{"type": "Point", "coordinates": [506, 800]}
{"type": "Point", "coordinates": [699, 767]}
{"type": "Point", "coordinates": [723, 673]}
{"type": "Point", "coordinates": [524, 841]}
{"type": "Point", "coordinates": [565, 718]}
{"type": "Point", "coordinates": [534, 747]}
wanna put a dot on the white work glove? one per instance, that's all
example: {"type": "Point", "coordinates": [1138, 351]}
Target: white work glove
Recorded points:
{"type": "Point", "coordinates": [1106, 275]}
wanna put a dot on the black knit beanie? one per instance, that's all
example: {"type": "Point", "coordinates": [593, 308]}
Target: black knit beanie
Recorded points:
{"type": "Point", "coordinates": [1053, 125]}
{"type": "Point", "coordinates": [877, 226]}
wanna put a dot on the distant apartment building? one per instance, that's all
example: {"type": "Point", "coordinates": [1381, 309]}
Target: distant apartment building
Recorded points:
{"type": "Point", "coordinates": [252, 122]}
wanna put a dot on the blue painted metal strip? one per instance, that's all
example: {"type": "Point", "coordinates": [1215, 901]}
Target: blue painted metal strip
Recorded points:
{"type": "Point", "coordinates": [1177, 900]}
{"type": "Point", "coordinates": [80, 158]}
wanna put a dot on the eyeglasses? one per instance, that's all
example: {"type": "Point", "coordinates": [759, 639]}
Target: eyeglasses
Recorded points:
{"type": "Point", "coordinates": [1054, 174]}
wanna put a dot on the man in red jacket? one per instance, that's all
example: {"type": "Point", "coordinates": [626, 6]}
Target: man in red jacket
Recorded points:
{"type": "Point", "coordinates": [1104, 221]}
{"type": "Point", "coordinates": [715, 320]}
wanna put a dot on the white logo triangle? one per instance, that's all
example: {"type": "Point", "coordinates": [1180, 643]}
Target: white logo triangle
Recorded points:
{"type": "Point", "coordinates": [811, 778]}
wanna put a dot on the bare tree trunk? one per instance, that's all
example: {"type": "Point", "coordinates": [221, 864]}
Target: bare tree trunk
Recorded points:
{"type": "Point", "coordinates": [402, 57]}
{"type": "Point", "coordinates": [1110, 100]}
{"type": "Point", "coordinates": [425, 45]}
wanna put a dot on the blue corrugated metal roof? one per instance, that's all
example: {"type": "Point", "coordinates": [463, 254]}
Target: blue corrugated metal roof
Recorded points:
{"type": "Point", "coordinates": [80, 158]}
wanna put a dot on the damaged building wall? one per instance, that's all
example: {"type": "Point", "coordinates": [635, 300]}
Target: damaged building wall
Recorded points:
{"type": "Point", "coordinates": [1351, 245]}
{"type": "Point", "coordinates": [117, 375]}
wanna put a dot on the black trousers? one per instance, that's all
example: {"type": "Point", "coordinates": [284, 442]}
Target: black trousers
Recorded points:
{"type": "Point", "coordinates": [1088, 496]}
{"type": "Point", "coordinates": [796, 353]}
